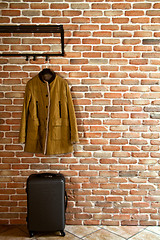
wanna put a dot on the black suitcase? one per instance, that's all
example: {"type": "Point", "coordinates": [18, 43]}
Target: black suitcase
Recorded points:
{"type": "Point", "coordinates": [46, 203]}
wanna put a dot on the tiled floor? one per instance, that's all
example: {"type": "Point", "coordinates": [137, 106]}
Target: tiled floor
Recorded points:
{"type": "Point", "coordinates": [85, 233]}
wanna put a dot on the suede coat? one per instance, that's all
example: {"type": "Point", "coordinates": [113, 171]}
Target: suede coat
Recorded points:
{"type": "Point", "coordinates": [48, 123]}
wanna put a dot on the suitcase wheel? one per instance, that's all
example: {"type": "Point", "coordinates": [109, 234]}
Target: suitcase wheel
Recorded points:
{"type": "Point", "coordinates": [31, 234]}
{"type": "Point", "coordinates": [62, 233]}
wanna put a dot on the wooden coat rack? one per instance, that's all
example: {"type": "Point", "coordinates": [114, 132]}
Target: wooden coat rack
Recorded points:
{"type": "Point", "coordinates": [34, 29]}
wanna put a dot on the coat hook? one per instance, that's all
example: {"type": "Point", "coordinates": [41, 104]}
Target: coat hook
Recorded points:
{"type": "Point", "coordinates": [27, 57]}
{"type": "Point", "coordinates": [34, 57]}
{"type": "Point", "coordinates": [47, 57]}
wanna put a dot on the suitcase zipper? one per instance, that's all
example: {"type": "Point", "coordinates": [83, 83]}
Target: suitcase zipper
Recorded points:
{"type": "Point", "coordinates": [47, 124]}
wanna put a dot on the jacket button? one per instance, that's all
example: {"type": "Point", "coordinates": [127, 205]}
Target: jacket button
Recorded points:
{"type": "Point", "coordinates": [46, 106]}
{"type": "Point", "coordinates": [46, 118]}
{"type": "Point", "coordinates": [47, 95]}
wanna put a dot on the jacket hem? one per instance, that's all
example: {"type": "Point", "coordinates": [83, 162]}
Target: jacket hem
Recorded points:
{"type": "Point", "coordinates": [58, 154]}
{"type": "Point", "coordinates": [74, 142]}
{"type": "Point", "coordinates": [48, 154]}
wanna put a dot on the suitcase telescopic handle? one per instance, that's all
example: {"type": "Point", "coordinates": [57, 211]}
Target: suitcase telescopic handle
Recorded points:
{"type": "Point", "coordinates": [49, 175]}
{"type": "Point", "coordinates": [46, 174]}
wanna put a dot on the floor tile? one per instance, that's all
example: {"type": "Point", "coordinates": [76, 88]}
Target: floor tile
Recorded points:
{"type": "Point", "coordinates": [124, 231]}
{"type": "Point", "coordinates": [102, 235]}
{"type": "Point", "coordinates": [14, 234]}
{"type": "Point", "coordinates": [4, 228]}
{"type": "Point", "coordinates": [154, 229]}
{"type": "Point", "coordinates": [53, 236]}
{"type": "Point", "coordinates": [77, 232]}
{"type": "Point", "coordinates": [145, 235]}
{"type": "Point", "coordinates": [81, 231]}
{"type": "Point", "coordinates": [23, 228]}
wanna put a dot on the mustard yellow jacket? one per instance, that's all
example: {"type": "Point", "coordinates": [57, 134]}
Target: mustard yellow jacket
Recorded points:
{"type": "Point", "coordinates": [48, 123]}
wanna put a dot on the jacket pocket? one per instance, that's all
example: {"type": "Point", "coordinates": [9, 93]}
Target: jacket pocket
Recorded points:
{"type": "Point", "coordinates": [66, 133]}
{"type": "Point", "coordinates": [56, 129]}
{"type": "Point", "coordinates": [37, 108]}
{"type": "Point", "coordinates": [60, 129]}
{"type": "Point", "coordinates": [60, 109]}
{"type": "Point", "coordinates": [56, 132]}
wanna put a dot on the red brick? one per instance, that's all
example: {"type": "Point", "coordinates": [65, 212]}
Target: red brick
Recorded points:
{"type": "Point", "coordinates": [129, 223]}
{"type": "Point", "coordinates": [92, 54]}
{"type": "Point", "coordinates": [39, 5]}
{"type": "Point", "coordinates": [100, 20]}
{"type": "Point", "coordinates": [47, 13]}
{"type": "Point", "coordinates": [140, 20]}
{"type": "Point", "coordinates": [118, 75]}
{"type": "Point", "coordinates": [113, 13]}
{"type": "Point", "coordinates": [112, 95]}
{"type": "Point", "coordinates": [153, 12]}
{"type": "Point", "coordinates": [59, 5]}
{"type": "Point", "coordinates": [129, 68]}
{"type": "Point", "coordinates": [142, 34]}
{"type": "Point", "coordinates": [121, 6]}
{"type": "Point", "coordinates": [102, 33]}
{"type": "Point", "coordinates": [114, 199]}
{"type": "Point", "coordinates": [91, 41]}
{"type": "Point", "coordinates": [110, 41]}
{"type": "Point", "coordinates": [101, 6]}
{"type": "Point", "coordinates": [3, 5]}
{"type": "Point", "coordinates": [4, 20]}
{"type": "Point", "coordinates": [130, 27]}
{"type": "Point", "coordinates": [89, 68]}
{"type": "Point", "coordinates": [89, 27]}
{"type": "Point", "coordinates": [60, 20]}
{"type": "Point", "coordinates": [109, 68]}
{"type": "Point", "coordinates": [122, 34]}
{"type": "Point", "coordinates": [131, 55]}
{"type": "Point", "coordinates": [139, 61]}
{"type": "Point", "coordinates": [118, 61]}
{"type": "Point", "coordinates": [112, 55]}
{"type": "Point", "coordinates": [10, 12]}
{"type": "Point", "coordinates": [120, 20]}
{"type": "Point", "coordinates": [141, 5]}
{"type": "Point", "coordinates": [20, 20]}
{"type": "Point", "coordinates": [156, 5]}
{"type": "Point", "coordinates": [109, 27]}
{"type": "Point", "coordinates": [19, 5]}
{"type": "Point", "coordinates": [98, 74]}
{"type": "Point", "coordinates": [92, 13]}
{"type": "Point", "coordinates": [134, 13]}
{"type": "Point", "coordinates": [122, 48]}
{"type": "Point", "coordinates": [131, 41]}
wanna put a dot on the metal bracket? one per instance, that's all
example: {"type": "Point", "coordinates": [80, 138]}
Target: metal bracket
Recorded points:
{"type": "Point", "coordinates": [34, 29]}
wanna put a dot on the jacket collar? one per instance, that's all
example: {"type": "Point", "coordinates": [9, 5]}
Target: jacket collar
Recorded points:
{"type": "Point", "coordinates": [41, 77]}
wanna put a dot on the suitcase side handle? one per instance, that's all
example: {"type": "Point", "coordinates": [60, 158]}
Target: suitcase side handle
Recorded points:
{"type": "Point", "coordinates": [66, 200]}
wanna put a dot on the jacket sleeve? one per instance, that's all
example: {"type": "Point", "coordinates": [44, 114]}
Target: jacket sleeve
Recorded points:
{"type": "Point", "coordinates": [72, 118]}
{"type": "Point", "coordinates": [23, 126]}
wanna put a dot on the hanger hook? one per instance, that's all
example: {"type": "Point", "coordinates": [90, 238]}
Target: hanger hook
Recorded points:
{"type": "Point", "coordinates": [34, 57]}
{"type": "Point", "coordinates": [47, 58]}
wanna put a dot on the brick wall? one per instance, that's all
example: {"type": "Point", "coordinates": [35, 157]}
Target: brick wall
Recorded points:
{"type": "Point", "coordinates": [112, 66]}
